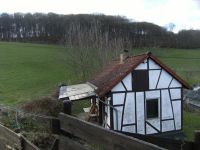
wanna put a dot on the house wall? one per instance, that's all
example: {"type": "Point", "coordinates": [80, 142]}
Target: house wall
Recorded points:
{"type": "Point", "coordinates": [129, 113]}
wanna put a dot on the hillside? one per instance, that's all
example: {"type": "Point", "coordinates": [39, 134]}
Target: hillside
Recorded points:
{"type": "Point", "coordinates": [30, 71]}
{"type": "Point", "coordinates": [93, 30]}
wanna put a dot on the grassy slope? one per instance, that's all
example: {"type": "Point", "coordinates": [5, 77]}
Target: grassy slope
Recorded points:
{"type": "Point", "coordinates": [191, 122]}
{"type": "Point", "coordinates": [28, 71]}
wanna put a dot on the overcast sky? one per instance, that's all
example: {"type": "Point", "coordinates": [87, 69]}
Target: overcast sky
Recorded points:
{"type": "Point", "coordinates": [185, 14]}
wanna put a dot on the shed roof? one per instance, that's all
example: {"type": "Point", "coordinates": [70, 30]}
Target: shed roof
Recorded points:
{"type": "Point", "coordinates": [115, 71]}
{"type": "Point", "coordinates": [77, 92]}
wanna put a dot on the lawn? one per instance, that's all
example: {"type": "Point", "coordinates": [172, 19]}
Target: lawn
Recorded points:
{"type": "Point", "coordinates": [31, 71]}
{"type": "Point", "coordinates": [191, 122]}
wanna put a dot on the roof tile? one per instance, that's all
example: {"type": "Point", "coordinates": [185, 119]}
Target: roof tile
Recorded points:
{"type": "Point", "coordinates": [115, 71]}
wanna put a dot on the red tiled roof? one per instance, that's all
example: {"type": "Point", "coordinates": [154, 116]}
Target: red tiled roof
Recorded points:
{"type": "Point", "coordinates": [114, 72]}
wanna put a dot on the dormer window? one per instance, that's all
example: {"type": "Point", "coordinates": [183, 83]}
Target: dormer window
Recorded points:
{"type": "Point", "coordinates": [140, 80]}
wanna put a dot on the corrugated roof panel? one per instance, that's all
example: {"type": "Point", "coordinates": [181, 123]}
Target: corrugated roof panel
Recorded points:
{"type": "Point", "coordinates": [76, 92]}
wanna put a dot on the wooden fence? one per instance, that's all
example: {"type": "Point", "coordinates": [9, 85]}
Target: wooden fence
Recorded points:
{"type": "Point", "coordinates": [96, 135]}
{"type": "Point", "coordinates": [76, 134]}
{"type": "Point", "coordinates": [10, 140]}
{"type": "Point", "coordinates": [172, 144]}
{"type": "Point", "coordinates": [192, 108]}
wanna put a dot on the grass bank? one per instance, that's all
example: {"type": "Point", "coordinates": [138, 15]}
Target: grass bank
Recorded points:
{"type": "Point", "coordinates": [29, 71]}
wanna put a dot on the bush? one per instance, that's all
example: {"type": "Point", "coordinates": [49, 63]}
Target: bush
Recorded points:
{"type": "Point", "coordinates": [44, 106]}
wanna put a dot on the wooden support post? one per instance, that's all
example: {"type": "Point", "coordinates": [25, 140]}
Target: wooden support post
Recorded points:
{"type": "Point", "coordinates": [67, 107]}
{"type": "Point", "coordinates": [93, 100]}
{"type": "Point", "coordinates": [55, 126]}
{"type": "Point", "coordinates": [100, 113]}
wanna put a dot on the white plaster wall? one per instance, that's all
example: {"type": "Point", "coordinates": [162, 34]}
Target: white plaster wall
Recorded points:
{"type": "Point", "coordinates": [154, 122]}
{"type": "Point", "coordinates": [130, 129]}
{"type": "Point", "coordinates": [175, 93]}
{"type": "Point", "coordinates": [175, 83]}
{"type": "Point", "coordinates": [177, 113]}
{"type": "Point", "coordinates": [118, 98]}
{"type": "Point", "coordinates": [140, 112]}
{"type": "Point", "coordinates": [167, 125]}
{"type": "Point", "coordinates": [165, 79]}
{"type": "Point", "coordinates": [166, 105]}
{"type": "Point", "coordinates": [153, 65]}
{"type": "Point", "coordinates": [118, 87]}
{"type": "Point", "coordinates": [129, 110]}
{"type": "Point", "coordinates": [152, 94]}
{"type": "Point", "coordinates": [128, 82]}
{"type": "Point", "coordinates": [142, 66]}
{"type": "Point", "coordinates": [150, 130]}
{"type": "Point", "coordinates": [119, 116]}
{"type": "Point", "coordinates": [153, 78]}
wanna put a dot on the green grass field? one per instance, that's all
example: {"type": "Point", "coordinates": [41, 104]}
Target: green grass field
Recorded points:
{"type": "Point", "coordinates": [31, 71]}
{"type": "Point", "coordinates": [191, 122]}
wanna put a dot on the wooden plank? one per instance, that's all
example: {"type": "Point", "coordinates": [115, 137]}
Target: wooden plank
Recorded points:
{"type": "Point", "coordinates": [54, 146]}
{"type": "Point", "coordinates": [107, 139]}
{"type": "Point", "coordinates": [167, 143]}
{"type": "Point", "coordinates": [27, 145]}
{"type": "Point", "coordinates": [55, 125]}
{"type": "Point", "coordinates": [66, 143]}
{"type": "Point", "coordinates": [9, 139]}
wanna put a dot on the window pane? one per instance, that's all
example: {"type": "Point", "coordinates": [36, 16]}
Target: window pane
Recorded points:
{"type": "Point", "coordinates": [140, 80]}
{"type": "Point", "coordinates": [152, 108]}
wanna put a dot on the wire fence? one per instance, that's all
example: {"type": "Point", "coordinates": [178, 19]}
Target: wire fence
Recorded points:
{"type": "Point", "coordinates": [36, 128]}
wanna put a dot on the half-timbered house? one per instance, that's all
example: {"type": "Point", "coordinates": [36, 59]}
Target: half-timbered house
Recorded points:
{"type": "Point", "coordinates": [137, 94]}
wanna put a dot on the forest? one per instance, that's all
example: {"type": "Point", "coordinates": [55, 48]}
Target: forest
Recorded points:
{"type": "Point", "coordinates": [92, 30]}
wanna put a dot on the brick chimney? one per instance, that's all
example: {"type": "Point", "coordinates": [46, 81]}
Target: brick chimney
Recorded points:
{"type": "Point", "coordinates": [121, 58]}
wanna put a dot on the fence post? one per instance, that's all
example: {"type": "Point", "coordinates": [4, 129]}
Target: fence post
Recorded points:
{"type": "Point", "coordinates": [55, 125]}
{"type": "Point", "coordinates": [67, 107]}
{"type": "Point", "coordinates": [197, 139]}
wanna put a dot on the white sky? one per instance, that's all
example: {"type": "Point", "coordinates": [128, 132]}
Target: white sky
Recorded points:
{"type": "Point", "coordinates": [185, 14]}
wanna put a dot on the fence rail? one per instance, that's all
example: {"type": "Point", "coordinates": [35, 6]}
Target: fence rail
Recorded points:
{"type": "Point", "coordinates": [9, 139]}
{"type": "Point", "coordinates": [172, 144]}
{"type": "Point", "coordinates": [13, 141]}
{"type": "Point", "coordinates": [106, 139]}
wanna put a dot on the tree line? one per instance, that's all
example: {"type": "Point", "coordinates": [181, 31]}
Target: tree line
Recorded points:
{"type": "Point", "coordinates": [94, 31]}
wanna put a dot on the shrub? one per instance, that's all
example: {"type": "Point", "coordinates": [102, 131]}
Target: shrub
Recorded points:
{"type": "Point", "coordinates": [44, 106]}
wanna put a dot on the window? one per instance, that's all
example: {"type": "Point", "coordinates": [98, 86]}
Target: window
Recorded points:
{"type": "Point", "coordinates": [152, 108]}
{"type": "Point", "coordinates": [140, 80]}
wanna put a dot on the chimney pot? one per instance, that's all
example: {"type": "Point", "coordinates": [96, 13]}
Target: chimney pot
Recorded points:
{"type": "Point", "coordinates": [121, 58]}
